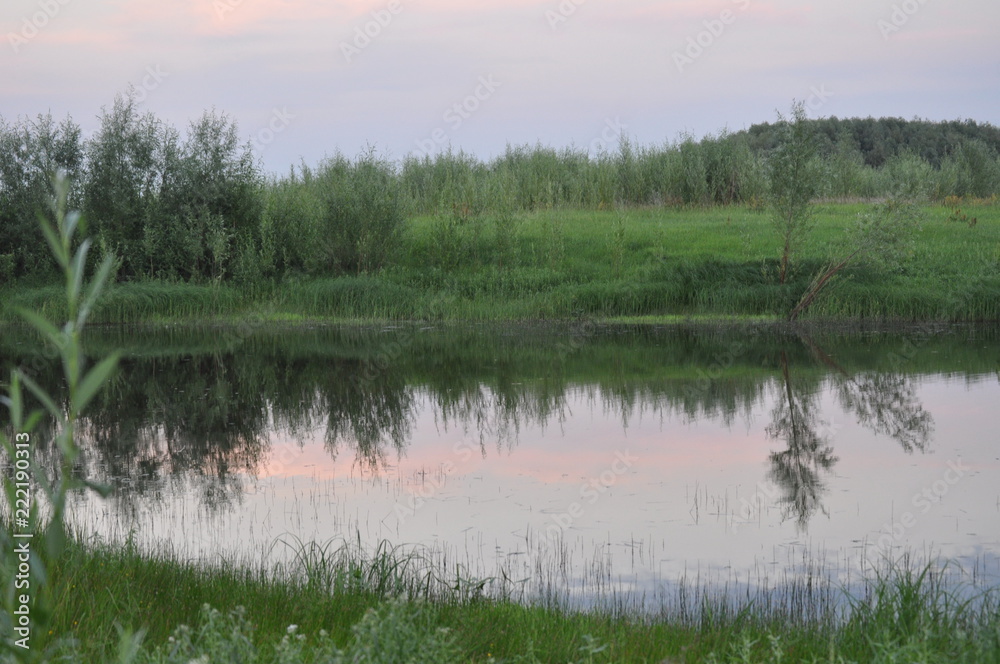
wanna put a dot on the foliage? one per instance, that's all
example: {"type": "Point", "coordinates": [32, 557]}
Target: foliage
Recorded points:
{"type": "Point", "coordinates": [194, 205]}
{"type": "Point", "coordinates": [899, 612]}
{"type": "Point", "coordinates": [82, 385]}
{"type": "Point", "coordinates": [172, 208]}
{"type": "Point", "coordinates": [127, 164]}
{"type": "Point", "coordinates": [883, 237]}
{"type": "Point", "coordinates": [879, 139]}
{"type": "Point", "coordinates": [362, 212]}
{"type": "Point", "coordinates": [31, 152]}
{"type": "Point", "coordinates": [716, 262]}
{"type": "Point", "coordinates": [209, 207]}
{"type": "Point", "coordinates": [795, 183]}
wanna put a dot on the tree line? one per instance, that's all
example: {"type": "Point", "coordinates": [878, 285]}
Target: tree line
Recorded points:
{"type": "Point", "coordinates": [198, 206]}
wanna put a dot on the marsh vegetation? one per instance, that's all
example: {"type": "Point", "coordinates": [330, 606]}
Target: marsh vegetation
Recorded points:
{"type": "Point", "coordinates": [688, 227]}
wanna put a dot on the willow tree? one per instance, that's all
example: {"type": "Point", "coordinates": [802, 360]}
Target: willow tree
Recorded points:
{"type": "Point", "coordinates": [795, 181]}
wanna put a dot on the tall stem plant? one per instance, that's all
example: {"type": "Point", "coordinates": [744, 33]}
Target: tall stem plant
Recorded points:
{"type": "Point", "coordinates": [33, 534]}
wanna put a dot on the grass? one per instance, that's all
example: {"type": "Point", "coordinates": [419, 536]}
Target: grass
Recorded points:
{"type": "Point", "coordinates": [369, 603]}
{"type": "Point", "coordinates": [653, 264]}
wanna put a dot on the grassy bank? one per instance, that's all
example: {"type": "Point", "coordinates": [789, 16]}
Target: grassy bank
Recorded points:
{"type": "Point", "coordinates": [657, 263]}
{"type": "Point", "coordinates": [904, 613]}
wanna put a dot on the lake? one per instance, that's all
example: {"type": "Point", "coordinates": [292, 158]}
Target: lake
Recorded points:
{"type": "Point", "coordinates": [577, 462]}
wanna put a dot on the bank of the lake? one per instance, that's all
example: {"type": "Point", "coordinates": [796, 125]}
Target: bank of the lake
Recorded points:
{"type": "Point", "coordinates": [654, 265]}
{"type": "Point", "coordinates": [906, 613]}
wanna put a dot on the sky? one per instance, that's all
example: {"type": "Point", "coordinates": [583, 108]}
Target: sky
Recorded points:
{"type": "Point", "coordinates": [305, 79]}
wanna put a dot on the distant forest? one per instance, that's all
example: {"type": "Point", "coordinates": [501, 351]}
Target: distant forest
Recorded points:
{"type": "Point", "coordinates": [879, 140]}
{"type": "Point", "coordinates": [198, 205]}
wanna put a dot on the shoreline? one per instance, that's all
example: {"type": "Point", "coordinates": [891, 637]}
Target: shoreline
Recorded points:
{"type": "Point", "coordinates": [808, 621]}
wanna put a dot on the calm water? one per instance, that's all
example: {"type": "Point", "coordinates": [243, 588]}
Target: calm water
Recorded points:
{"type": "Point", "coordinates": [571, 459]}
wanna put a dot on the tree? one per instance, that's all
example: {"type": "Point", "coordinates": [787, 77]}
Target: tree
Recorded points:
{"type": "Point", "coordinates": [31, 153]}
{"type": "Point", "coordinates": [883, 236]}
{"type": "Point", "coordinates": [362, 212]}
{"type": "Point", "coordinates": [795, 182]}
{"type": "Point", "coordinates": [124, 175]}
{"type": "Point", "coordinates": [212, 200]}
{"type": "Point", "coordinates": [798, 468]}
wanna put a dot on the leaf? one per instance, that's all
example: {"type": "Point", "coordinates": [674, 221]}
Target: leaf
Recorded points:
{"type": "Point", "coordinates": [14, 402]}
{"type": "Point", "coordinates": [55, 242]}
{"type": "Point", "coordinates": [103, 490]}
{"type": "Point", "coordinates": [129, 644]}
{"type": "Point", "coordinates": [93, 381]}
{"type": "Point", "coordinates": [29, 424]}
{"type": "Point", "coordinates": [71, 220]}
{"type": "Point", "coordinates": [77, 270]}
{"type": "Point", "coordinates": [41, 324]}
{"type": "Point", "coordinates": [94, 288]}
{"type": "Point", "coordinates": [42, 396]}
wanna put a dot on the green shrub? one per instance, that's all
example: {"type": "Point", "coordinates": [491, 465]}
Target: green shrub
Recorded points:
{"type": "Point", "coordinates": [362, 212]}
{"type": "Point", "coordinates": [31, 153]}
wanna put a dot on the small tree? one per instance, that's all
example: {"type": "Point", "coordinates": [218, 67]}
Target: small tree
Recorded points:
{"type": "Point", "coordinates": [883, 236]}
{"type": "Point", "coordinates": [210, 204]}
{"type": "Point", "coordinates": [363, 211]}
{"type": "Point", "coordinates": [795, 182]}
{"type": "Point", "coordinates": [125, 166]}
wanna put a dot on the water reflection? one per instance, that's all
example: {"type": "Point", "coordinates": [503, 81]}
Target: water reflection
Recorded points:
{"type": "Point", "coordinates": [795, 420]}
{"type": "Point", "coordinates": [186, 409]}
{"type": "Point", "coordinates": [883, 402]}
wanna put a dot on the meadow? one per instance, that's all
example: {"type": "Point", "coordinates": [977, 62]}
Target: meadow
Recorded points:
{"type": "Point", "coordinates": [643, 264]}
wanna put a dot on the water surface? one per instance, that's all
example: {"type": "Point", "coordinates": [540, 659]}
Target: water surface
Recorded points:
{"type": "Point", "coordinates": [571, 459]}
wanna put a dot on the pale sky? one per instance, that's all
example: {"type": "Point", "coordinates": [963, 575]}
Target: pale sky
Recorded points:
{"type": "Point", "coordinates": [303, 80]}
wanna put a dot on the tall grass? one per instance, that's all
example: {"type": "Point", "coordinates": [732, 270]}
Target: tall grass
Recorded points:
{"type": "Point", "coordinates": [900, 611]}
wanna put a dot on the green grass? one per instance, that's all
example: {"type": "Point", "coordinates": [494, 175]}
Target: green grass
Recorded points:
{"type": "Point", "coordinates": [902, 613]}
{"type": "Point", "coordinates": [654, 264]}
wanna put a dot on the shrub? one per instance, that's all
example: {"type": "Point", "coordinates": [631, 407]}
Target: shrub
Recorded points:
{"type": "Point", "coordinates": [126, 164]}
{"type": "Point", "coordinates": [362, 212]}
{"type": "Point", "coordinates": [31, 153]}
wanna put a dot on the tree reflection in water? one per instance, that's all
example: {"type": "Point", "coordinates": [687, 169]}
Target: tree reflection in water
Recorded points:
{"type": "Point", "coordinates": [797, 468]}
{"type": "Point", "coordinates": [885, 403]}
{"type": "Point", "coordinates": [184, 414]}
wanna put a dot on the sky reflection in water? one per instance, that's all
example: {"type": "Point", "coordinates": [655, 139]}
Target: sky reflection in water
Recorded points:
{"type": "Point", "coordinates": [632, 456]}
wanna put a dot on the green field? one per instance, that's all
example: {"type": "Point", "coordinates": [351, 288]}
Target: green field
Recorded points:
{"type": "Point", "coordinates": [650, 264]}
